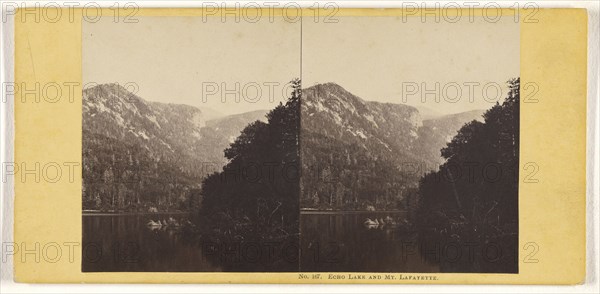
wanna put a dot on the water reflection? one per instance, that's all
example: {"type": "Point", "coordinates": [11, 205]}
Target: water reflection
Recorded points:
{"type": "Point", "coordinates": [172, 243]}
{"type": "Point", "coordinates": [125, 243]}
{"type": "Point", "coordinates": [360, 242]}
{"type": "Point", "coordinates": [329, 242]}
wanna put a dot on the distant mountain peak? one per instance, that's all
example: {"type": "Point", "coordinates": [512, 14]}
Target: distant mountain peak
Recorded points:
{"type": "Point", "coordinates": [428, 113]}
{"type": "Point", "coordinates": [362, 144]}
{"type": "Point", "coordinates": [329, 91]}
{"type": "Point", "coordinates": [162, 150]}
{"type": "Point", "coordinates": [167, 129]}
{"type": "Point", "coordinates": [248, 116]}
{"type": "Point", "coordinates": [114, 88]}
{"type": "Point", "coordinates": [328, 85]}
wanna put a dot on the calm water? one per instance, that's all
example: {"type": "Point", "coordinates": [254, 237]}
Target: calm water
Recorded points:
{"type": "Point", "coordinates": [124, 243]}
{"type": "Point", "coordinates": [329, 242]}
{"type": "Point", "coordinates": [340, 242]}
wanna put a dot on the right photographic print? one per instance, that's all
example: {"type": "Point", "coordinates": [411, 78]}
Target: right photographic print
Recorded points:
{"type": "Point", "coordinates": [409, 145]}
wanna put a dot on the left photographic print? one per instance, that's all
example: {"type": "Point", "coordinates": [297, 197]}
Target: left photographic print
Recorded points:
{"type": "Point", "coordinates": [190, 145]}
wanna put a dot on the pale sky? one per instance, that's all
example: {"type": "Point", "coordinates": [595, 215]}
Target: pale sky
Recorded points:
{"type": "Point", "coordinates": [185, 59]}
{"type": "Point", "coordinates": [385, 59]}
{"type": "Point", "coordinates": [188, 60]}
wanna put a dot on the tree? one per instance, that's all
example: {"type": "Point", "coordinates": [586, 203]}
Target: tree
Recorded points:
{"type": "Point", "coordinates": [260, 186]}
{"type": "Point", "coordinates": [474, 194]}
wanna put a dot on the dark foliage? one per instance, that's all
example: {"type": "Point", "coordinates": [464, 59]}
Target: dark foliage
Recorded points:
{"type": "Point", "coordinates": [474, 195]}
{"type": "Point", "coordinates": [255, 197]}
{"type": "Point", "coordinates": [125, 177]}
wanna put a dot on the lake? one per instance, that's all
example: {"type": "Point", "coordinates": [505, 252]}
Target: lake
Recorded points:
{"type": "Point", "coordinates": [124, 243]}
{"type": "Point", "coordinates": [330, 242]}
{"type": "Point", "coordinates": [340, 242]}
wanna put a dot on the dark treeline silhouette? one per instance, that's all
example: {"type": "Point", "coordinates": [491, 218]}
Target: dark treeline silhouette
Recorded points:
{"type": "Point", "coordinates": [473, 197]}
{"type": "Point", "coordinates": [255, 198]}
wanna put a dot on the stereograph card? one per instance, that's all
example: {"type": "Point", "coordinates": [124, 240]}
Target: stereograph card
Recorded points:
{"type": "Point", "coordinates": [286, 145]}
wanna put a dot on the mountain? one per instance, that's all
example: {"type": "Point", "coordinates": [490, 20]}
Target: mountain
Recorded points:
{"type": "Point", "coordinates": [140, 155]}
{"type": "Point", "coordinates": [428, 113]}
{"type": "Point", "coordinates": [449, 124]}
{"type": "Point", "coordinates": [436, 133]}
{"type": "Point", "coordinates": [359, 154]}
{"type": "Point", "coordinates": [329, 110]}
{"type": "Point", "coordinates": [209, 113]}
{"type": "Point", "coordinates": [234, 124]}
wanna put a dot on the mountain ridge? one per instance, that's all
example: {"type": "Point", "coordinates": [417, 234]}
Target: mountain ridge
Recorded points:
{"type": "Point", "coordinates": [134, 149]}
{"type": "Point", "coordinates": [140, 155]}
{"type": "Point", "coordinates": [375, 151]}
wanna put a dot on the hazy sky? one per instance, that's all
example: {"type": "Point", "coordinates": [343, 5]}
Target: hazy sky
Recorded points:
{"type": "Point", "coordinates": [188, 60]}
{"type": "Point", "coordinates": [199, 62]}
{"type": "Point", "coordinates": [386, 59]}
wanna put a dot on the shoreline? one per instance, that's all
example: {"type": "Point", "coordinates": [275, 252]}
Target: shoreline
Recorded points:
{"type": "Point", "coordinates": [99, 213]}
{"type": "Point", "coordinates": [310, 211]}
{"type": "Point", "coordinates": [302, 211]}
